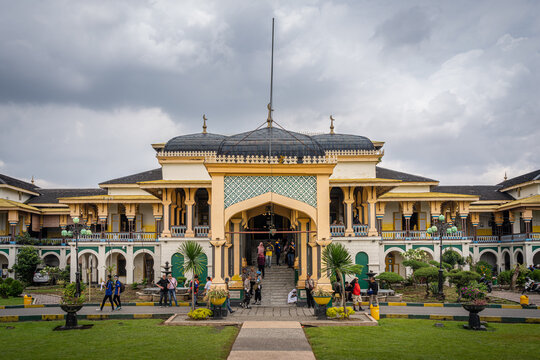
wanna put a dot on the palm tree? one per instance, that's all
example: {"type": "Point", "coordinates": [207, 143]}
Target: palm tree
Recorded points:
{"type": "Point", "coordinates": [194, 262]}
{"type": "Point", "coordinates": [338, 261]}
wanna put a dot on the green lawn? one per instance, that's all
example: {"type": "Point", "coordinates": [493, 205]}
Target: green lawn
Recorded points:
{"type": "Point", "coordinates": [115, 339]}
{"type": "Point", "coordinates": [12, 301]}
{"type": "Point", "coordinates": [419, 339]}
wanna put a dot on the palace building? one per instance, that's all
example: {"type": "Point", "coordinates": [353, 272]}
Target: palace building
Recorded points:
{"type": "Point", "coordinates": [231, 192]}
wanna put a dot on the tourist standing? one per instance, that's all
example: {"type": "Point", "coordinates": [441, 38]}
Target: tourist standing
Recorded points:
{"type": "Point", "coordinates": [258, 288]}
{"type": "Point", "coordinates": [162, 285]}
{"type": "Point", "coordinates": [277, 249]}
{"type": "Point", "coordinates": [290, 255]}
{"type": "Point", "coordinates": [268, 258]}
{"type": "Point", "coordinates": [228, 303]}
{"type": "Point", "coordinates": [194, 288]}
{"type": "Point", "coordinates": [356, 294]}
{"type": "Point", "coordinates": [261, 261]}
{"type": "Point", "coordinates": [252, 276]}
{"type": "Point", "coordinates": [248, 288]}
{"type": "Point", "coordinates": [117, 291]}
{"type": "Point", "coordinates": [260, 249]}
{"type": "Point", "coordinates": [310, 284]}
{"type": "Point", "coordinates": [207, 287]}
{"type": "Point", "coordinates": [108, 293]}
{"type": "Point", "coordinates": [171, 288]}
{"type": "Point", "coordinates": [373, 290]}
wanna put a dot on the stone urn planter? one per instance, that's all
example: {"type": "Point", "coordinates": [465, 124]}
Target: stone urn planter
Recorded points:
{"type": "Point", "coordinates": [218, 301]}
{"type": "Point", "coordinates": [474, 318]}
{"type": "Point", "coordinates": [322, 302]}
{"type": "Point", "coordinates": [71, 317]}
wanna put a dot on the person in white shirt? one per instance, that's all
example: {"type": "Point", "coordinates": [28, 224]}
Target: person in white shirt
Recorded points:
{"type": "Point", "coordinates": [207, 289]}
{"type": "Point", "coordinates": [171, 287]}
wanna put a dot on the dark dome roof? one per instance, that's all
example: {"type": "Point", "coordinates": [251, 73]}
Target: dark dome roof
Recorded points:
{"type": "Point", "coordinates": [343, 142]}
{"type": "Point", "coordinates": [195, 142]}
{"type": "Point", "coordinates": [284, 143]}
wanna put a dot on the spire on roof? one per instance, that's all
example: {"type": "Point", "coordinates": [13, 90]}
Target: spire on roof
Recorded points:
{"type": "Point", "coordinates": [204, 124]}
{"type": "Point", "coordinates": [32, 181]}
{"type": "Point", "coordinates": [269, 120]}
{"type": "Point", "coordinates": [332, 124]}
{"type": "Point", "coordinates": [505, 177]}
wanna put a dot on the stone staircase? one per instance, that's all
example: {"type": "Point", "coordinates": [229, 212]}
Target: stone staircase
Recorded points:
{"type": "Point", "coordinates": [277, 283]}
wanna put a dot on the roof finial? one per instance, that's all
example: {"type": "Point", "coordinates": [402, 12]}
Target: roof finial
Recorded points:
{"type": "Point", "coordinates": [32, 181]}
{"type": "Point", "coordinates": [332, 124]}
{"type": "Point", "coordinates": [505, 177]}
{"type": "Point", "coordinates": [204, 124]}
{"type": "Point", "coordinates": [269, 120]}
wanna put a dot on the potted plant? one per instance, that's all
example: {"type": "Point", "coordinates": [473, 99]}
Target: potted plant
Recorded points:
{"type": "Point", "coordinates": [321, 296]}
{"type": "Point", "coordinates": [217, 296]}
{"type": "Point", "coordinates": [475, 295]}
{"type": "Point", "coordinates": [71, 304]}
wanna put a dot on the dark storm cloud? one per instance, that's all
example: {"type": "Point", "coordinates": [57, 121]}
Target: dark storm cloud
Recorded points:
{"type": "Point", "coordinates": [451, 87]}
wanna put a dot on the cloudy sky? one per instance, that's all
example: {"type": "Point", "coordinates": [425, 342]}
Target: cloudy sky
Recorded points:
{"type": "Point", "coordinates": [452, 87]}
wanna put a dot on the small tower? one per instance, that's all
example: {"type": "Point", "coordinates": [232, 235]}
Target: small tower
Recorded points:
{"type": "Point", "coordinates": [332, 124]}
{"type": "Point", "coordinates": [505, 177]}
{"type": "Point", "coordinates": [204, 124]}
{"type": "Point", "coordinates": [32, 180]}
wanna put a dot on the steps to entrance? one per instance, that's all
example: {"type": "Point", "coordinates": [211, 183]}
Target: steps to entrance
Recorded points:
{"type": "Point", "coordinates": [277, 283]}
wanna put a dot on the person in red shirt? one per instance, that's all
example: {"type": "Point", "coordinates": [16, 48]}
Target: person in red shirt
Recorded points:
{"type": "Point", "coordinates": [357, 298]}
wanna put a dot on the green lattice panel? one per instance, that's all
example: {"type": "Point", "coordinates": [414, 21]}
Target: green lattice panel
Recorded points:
{"type": "Point", "coordinates": [240, 188]}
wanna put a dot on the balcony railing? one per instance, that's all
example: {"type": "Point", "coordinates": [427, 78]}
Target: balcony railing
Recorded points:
{"type": "Point", "coordinates": [201, 230]}
{"type": "Point", "coordinates": [337, 230]}
{"type": "Point", "coordinates": [506, 238]}
{"type": "Point", "coordinates": [178, 231]}
{"type": "Point", "coordinates": [418, 235]}
{"type": "Point", "coordinates": [119, 236]}
{"type": "Point", "coordinates": [5, 239]}
{"type": "Point", "coordinates": [487, 239]}
{"type": "Point", "coordinates": [360, 230]}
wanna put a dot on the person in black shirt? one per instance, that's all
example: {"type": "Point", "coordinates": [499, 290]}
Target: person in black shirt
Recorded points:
{"type": "Point", "coordinates": [373, 290]}
{"type": "Point", "coordinates": [162, 284]}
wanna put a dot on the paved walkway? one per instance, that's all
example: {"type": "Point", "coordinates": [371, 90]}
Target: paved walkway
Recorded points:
{"type": "Point", "coordinates": [514, 296]}
{"type": "Point", "coordinates": [271, 340]}
{"type": "Point", "coordinates": [46, 298]}
{"type": "Point", "coordinates": [275, 313]}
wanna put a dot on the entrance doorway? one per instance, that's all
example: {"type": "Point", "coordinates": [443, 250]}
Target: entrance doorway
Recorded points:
{"type": "Point", "coordinates": [259, 231]}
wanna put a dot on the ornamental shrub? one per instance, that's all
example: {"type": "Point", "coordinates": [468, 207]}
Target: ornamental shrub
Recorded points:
{"type": "Point", "coordinates": [200, 314]}
{"type": "Point", "coordinates": [390, 278]}
{"type": "Point", "coordinates": [27, 261]}
{"type": "Point", "coordinates": [427, 275]}
{"type": "Point", "coordinates": [505, 277]}
{"type": "Point", "coordinates": [340, 312]}
{"type": "Point", "coordinates": [16, 288]}
{"type": "Point", "coordinates": [535, 275]}
{"type": "Point", "coordinates": [473, 291]}
{"type": "Point", "coordinates": [483, 268]}
{"type": "Point", "coordinates": [4, 290]}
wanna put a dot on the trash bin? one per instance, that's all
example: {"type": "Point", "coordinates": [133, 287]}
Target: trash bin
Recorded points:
{"type": "Point", "coordinates": [27, 300]}
{"type": "Point", "coordinates": [374, 311]}
{"type": "Point", "coordinates": [524, 300]}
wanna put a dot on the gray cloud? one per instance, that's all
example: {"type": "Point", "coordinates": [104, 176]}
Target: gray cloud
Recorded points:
{"type": "Point", "coordinates": [451, 87]}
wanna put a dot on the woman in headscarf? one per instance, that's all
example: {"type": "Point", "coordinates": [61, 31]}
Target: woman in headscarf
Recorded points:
{"type": "Point", "coordinates": [260, 249]}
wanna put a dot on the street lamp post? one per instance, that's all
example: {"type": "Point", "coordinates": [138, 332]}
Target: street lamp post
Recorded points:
{"type": "Point", "coordinates": [444, 228]}
{"type": "Point", "coordinates": [75, 231]}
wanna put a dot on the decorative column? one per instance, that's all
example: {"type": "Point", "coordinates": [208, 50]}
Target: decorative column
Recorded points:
{"type": "Point", "coordinates": [527, 215]}
{"type": "Point", "coordinates": [218, 262]}
{"type": "Point", "coordinates": [379, 213]}
{"type": "Point", "coordinates": [323, 211]}
{"type": "Point", "coordinates": [129, 264]}
{"type": "Point", "coordinates": [190, 201]}
{"type": "Point", "coordinates": [209, 202]}
{"type": "Point", "coordinates": [499, 222]}
{"type": "Point", "coordinates": [314, 257]}
{"type": "Point", "coordinates": [40, 227]}
{"type": "Point", "coordinates": [435, 210]}
{"type": "Point", "coordinates": [131, 212]}
{"type": "Point", "coordinates": [103, 213]}
{"type": "Point", "coordinates": [463, 214]}
{"type": "Point", "coordinates": [407, 208]}
{"type": "Point", "coordinates": [372, 200]}
{"type": "Point", "coordinates": [157, 211]}
{"type": "Point", "coordinates": [13, 219]}
{"type": "Point", "coordinates": [475, 220]}
{"type": "Point", "coordinates": [511, 219]}
{"type": "Point", "coordinates": [324, 281]}
{"type": "Point", "coordinates": [348, 201]}
{"type": "Point", "coordinates": [235, 239]}
{"type": "Point", "coordinates": [302, 251]}
{"type": "Point", "coordinates": [167, 200]}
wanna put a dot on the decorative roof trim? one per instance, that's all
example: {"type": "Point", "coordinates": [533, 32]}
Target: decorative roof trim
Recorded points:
{"type": "Point", "coordinates": [527, 183]}
{"type": "Point", "coordinates": [528, 201]}
{"type": "Point", "coordinates": [426, 196]}
{"type": "Point", "coordinates": [6, 204]}
{"type": "Point", "coordinates": [16, 188]}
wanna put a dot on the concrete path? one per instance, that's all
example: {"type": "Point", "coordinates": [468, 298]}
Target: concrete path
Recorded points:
{"type": "Point", "coordinates": [514, 296]}
{"type": "Point", "coordinates": [275, 313]}
{"type": "Point", "coordinates": [271, 340]}
{"type": "Point", "coordinates": [46, 298]}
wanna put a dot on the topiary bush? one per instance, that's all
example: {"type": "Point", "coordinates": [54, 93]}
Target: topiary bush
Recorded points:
{"type": "Point", "coordinates": [427, 275]}
{"type": "Point", "coordinates": [200, 314]}
{"type": "Point", "coordinates": [339, 312]}
{"type": "Point", "coordinates": [535, 275]}
{"type": "Point", "coordinates": [390, 278]}
{"type": "Point", "coordinates": [16, 288]}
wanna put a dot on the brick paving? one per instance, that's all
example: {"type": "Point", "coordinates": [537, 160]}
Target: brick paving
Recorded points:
{"type": "Point", "coordinates": [45, 298]}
